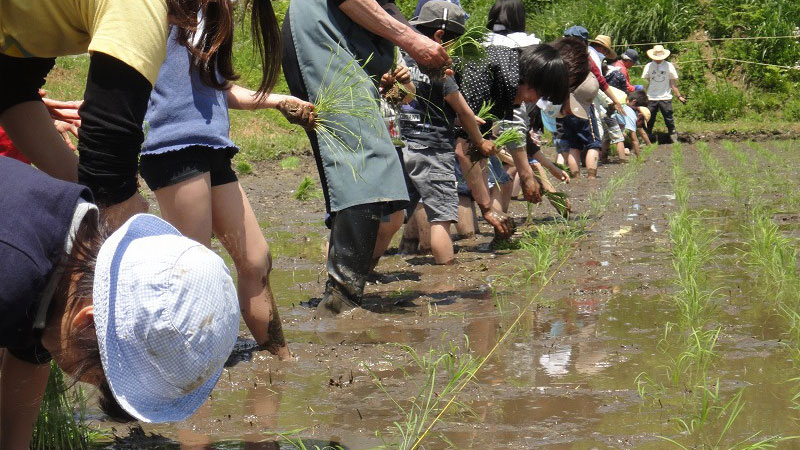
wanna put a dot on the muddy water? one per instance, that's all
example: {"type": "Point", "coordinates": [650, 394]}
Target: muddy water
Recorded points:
{"type": "Point", "coordinates": [564, 378]}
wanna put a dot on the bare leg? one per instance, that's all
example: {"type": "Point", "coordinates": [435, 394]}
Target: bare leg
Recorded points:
{"type": "Point", "coordinates": [465, 227]}
{"type": "Point", "coordinates": [386, 232]}
{"type": "Point", "coordinates": [574, 162]}
{"type": "Point", "coordinates": [423, 230]}
{"type": "Point", "coordinates": [235, 223]}
{"type": "Point", "coordinates": [441, 244]}
{"type": "Point", "coordinates": [592, 156]}
{"type": "Point", "coordinates": [187, 206]}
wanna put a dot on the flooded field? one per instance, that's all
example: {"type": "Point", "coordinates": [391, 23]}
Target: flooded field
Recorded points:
{"type": "Point", "coordinates": [666, 316]}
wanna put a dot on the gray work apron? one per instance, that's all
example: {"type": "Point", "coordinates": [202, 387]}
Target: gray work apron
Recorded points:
{"type": "Point", "coordinates": [373, 173]}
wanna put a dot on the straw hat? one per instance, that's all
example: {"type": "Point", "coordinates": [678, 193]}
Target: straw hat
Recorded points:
{"type": "Point", "coordinates": [658, 53]}
{"type": "Point", "coordinates": [645, 113]}
{"type": "Point", "coordinates": [605, 42]}
{"type": "Point", "coordinates": [617, 95]}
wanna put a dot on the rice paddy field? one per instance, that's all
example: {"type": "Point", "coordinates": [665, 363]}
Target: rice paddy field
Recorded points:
{"type": "Point", "coordinates": [663, 314]}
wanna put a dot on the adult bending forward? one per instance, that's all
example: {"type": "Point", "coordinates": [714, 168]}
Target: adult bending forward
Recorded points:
{"type": "Point", "coordinates": [321, 39]}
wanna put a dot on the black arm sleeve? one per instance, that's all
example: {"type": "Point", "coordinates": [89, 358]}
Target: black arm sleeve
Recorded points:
{"type": "Point", "coordinates": [111, 134]}
{"type": "Point", "coordinates": [21, 79]}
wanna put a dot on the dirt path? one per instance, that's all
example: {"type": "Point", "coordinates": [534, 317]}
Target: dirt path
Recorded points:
{"type": "Point", "coordinates": [563, 379]}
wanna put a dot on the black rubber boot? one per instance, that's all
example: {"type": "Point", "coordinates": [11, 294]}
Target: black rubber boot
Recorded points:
{"type": "Point", "coordinates": [354, 231]}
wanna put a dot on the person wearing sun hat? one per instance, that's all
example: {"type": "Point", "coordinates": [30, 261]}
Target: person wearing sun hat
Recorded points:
{"type": "Point", "coordinates": [600, 48]}
{"type": "Point", "coordinates": [662, 82]}
{"type": "Point", "coordinates": [145, 314]}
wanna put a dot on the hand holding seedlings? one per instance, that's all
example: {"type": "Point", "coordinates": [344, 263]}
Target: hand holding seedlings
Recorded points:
{"type": "Point", "coordinates": [396, 86]}
{"type": "Point", "coordinates": [530, 190]}
{"type": "Point", "coordinates": [502, 223]}
{"type": "Point", "coordinates": [487, 147]}
{"type": "Point", "coordinates": [428, 53]}
{"type": "Point", "coordinates": [298, 112]}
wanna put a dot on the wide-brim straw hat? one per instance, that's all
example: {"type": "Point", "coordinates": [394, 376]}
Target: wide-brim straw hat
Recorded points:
{"type": "Point", "coordinates": [658, 53]}
{"type": "Point", "coordinates": [605, 41]}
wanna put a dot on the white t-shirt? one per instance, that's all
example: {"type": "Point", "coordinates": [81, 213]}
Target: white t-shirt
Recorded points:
{"type": "Point", "coordinates": [659, 75]}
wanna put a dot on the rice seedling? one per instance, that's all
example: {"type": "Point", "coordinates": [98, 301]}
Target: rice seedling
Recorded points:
{"type": "Point", "coordinates": [306, 190]}
{"type": "Point", "coordinates": [347, 107]}
{"type": "Point", "coordinates": [565, 168]}
{"type": "Point", "coordinates": [560, 201]}
{"type": "Point", "coordinates": [445, 370]}
{"type": "Point", "coordinates": [485, 112]}
{"type": "Point", "coordinates": [57, 426]}
{"type": "Point", "coordinates": [468, 47]}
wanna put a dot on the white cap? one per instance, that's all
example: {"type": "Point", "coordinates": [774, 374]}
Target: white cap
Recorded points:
{"type": "Point", "coordinates": [167, 317]}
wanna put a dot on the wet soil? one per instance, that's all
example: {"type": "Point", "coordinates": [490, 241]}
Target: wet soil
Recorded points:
{"type": "Point", "coordinates": [564, 378]}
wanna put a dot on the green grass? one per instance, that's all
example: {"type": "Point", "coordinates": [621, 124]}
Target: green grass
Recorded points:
{"type": "Point", "coordinates": [290, 163]}
{"type": "Point", "coordinates": [307, 190]}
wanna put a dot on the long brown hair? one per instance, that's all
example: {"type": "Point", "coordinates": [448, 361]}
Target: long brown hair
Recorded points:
{"type": "Point", "coordinates": [211, 51]}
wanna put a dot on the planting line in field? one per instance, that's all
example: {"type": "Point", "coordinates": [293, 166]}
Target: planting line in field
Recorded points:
{"type": "Point", "coordinates": [613, 184]}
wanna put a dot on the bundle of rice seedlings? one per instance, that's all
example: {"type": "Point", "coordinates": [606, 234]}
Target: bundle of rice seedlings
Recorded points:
{"type": "Point", "coordinates": [560, 202]}
{"type": "Point", "coordinates": [469, 46]}
{"type": "Point", "coordinates": [57, 426]}
{"type": "Point", "coordinates": [509, 138]}
{"type": "Point", "coordinates": [345, 94]}
{"type": "Point", "coordinates": [396, 93]}
{"type": "Point", "coordinates": [564, 167]}
{"type": "Point", "coordinates": [485, 112]}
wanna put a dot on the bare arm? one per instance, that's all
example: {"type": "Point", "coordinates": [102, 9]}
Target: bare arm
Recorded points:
{"type": "Point", "coordinates": [374, 19]}
{"type": "Point", "coordinates": [477, 183]}
{"type": "Point", "coordinates": [635, 143]}
{"type": "Point", "coordinates": [467, 118]}
{"type": "Point", "coordinates": [674, 85]}
{"type": "Point", "coordinates": [296, 111]}
{"type": "Point", "coordinates": [22, 386]}
{"type": "Point", "coordinates": [643, 135]}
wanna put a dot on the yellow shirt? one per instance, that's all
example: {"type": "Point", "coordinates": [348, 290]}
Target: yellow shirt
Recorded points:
{"type": "Point", "coordinates": [133, 31]}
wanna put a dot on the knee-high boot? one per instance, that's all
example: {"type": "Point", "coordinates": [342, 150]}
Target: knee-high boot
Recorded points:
{"type": "Point", "coordinates": [353, 234]}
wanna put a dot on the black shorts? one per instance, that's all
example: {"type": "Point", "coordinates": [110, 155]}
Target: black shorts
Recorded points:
{"type": "Point", "coordinates": [172, 167]}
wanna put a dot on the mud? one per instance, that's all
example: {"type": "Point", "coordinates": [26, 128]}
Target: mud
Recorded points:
{"type": "Point", "coordinates": [564, 378]}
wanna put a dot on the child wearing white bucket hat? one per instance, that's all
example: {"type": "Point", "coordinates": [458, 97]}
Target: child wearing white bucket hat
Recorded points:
{"type": "Point", "coordinates": [145, 314]}
{"type": "Point", "coordinates": [662, 82]}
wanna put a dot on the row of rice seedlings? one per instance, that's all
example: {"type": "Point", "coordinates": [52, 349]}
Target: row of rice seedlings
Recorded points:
{"type": "Point", "coordinates": [722, 177]}
{"type": "Point", "coordinates": [61, 425]}
{"type": "Point", "coordinates": [766, 249]}
{"type": "Point", "coordinates": [707, 418]}
{"type": "Point", "coordinates": [444, 370]}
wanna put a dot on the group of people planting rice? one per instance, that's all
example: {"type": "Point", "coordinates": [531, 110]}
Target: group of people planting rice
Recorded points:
{"type": "Point", "coordinates": [425, 115]}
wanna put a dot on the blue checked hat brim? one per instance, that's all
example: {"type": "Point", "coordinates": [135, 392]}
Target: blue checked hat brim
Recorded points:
{"type": "Point", "coordinates": [129, 380]}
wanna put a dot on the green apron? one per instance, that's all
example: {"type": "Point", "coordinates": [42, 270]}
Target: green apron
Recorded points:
{"type": "Point", "coordinates": [325, 41]}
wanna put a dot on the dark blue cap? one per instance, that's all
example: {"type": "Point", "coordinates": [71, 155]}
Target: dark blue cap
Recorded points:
{"type": "Point", "coordinates": [632, 55]}
{"type": "Point", "coordinates": [577, 31]}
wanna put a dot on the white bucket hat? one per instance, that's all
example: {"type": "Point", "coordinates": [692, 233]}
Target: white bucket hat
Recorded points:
{"type": "Point", "coordinates": [167, 317]}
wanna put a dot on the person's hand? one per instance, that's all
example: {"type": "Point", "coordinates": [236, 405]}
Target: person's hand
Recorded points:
{"type": "Point", "coordinates": [618, 107]}
{"type": "Point", "coordinates": [503, 225]}
{"type": "Point", "coordinates": [298, 112]}
{"type": "Point", "coordinates": [61, 110]}
{"type": "Point", "coordinates": [531, 190]}
{"type": "Point", "coordinates": [65, 129]}
{"type": "Point", "coordinates": [427, 52]}
{"type": "Point", "coordinates": [682, 99]}
{"type": "Point", "coordinates": [560, 175]}
{"type": "Point", "coordinates": [116, 215]}
{"type": "Point", "coordinates": [402, 75]}
{"type": "Point", "coordinates": [487, 147]}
